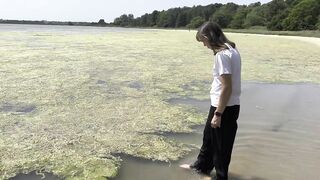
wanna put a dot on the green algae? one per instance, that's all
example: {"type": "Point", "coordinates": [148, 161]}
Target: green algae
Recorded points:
{"type": "Point", "coordinates": [279, 59]}
{"type": "Point", "coordinates": [96, 94]}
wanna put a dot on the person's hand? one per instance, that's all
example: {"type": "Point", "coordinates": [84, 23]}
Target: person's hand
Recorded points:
{"type": "Point", "coordinates": [216, 121]}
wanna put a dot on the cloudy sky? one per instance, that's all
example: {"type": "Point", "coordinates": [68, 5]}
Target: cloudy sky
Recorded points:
{"type": "Point", "coordinates": [93, 10]}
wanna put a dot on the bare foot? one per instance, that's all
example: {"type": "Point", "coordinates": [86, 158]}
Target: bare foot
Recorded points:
{"type": "Point", "coordinates": [202, 176]}
{"type": "Point", "coordinates": [185, 166]}
{"type": "Point", "coordinates": [205, 177]}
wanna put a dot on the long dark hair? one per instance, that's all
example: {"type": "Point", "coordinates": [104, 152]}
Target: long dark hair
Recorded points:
{"type": "Point", "coordinates": [214, 34]}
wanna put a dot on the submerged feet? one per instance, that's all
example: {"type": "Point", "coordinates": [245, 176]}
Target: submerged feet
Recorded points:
{"type": "Point", "coordinates": [185, 166]}
{"type": "Point", "coordinates": [205, 175]}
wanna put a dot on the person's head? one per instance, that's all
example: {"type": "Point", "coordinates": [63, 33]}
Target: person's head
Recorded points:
{"type": "Point", "coordinates": [212, 36]}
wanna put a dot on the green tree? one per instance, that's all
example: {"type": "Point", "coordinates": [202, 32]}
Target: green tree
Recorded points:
{"type": "Point", "coordinates": [274, 8]}
{"type": "Point", "coordinates": [124, 20]}
{"type": "Point", "coordinates": [224, 15]}
{"type": "Point", "coordinates": [255, 17]}
{"type": "Point", "coordinates": [276, 23]}
{"type": "Point", "coordinates": [152, 18]}
{"type": "Point", "coordinates": [209, 10]}
{"type": "Point", "coordinates": [222, 19]}
{"type": "Point", "coordinates": [136, 21]}
{"type": "Point", "coordinates": [130, 19]}
{"type": "Point", "coordinates": [318, 23]}
{"type": "Point", "coordinates": [291, 3]}
{"type": "Point", "coordinates": [275, 12]}
{"type": "Point", "coordinates": [172, 17]}
{"type": "Point", "coordinates": [276, 15]}
{"type": "Point", "coordinates": [181, 20]}
{"type": "Point", "coordinates": [143, 20]}
{"type": "Point", "coordinates": [196, 11]}
{"type": "Point", "coordinates": [196, 22]}
{"type": "Point", "coordinates": [238, 19]}
{"type": "Point", "coordinates": [303, 16]}
{"type": "Point", "coordinates": [162, 21]}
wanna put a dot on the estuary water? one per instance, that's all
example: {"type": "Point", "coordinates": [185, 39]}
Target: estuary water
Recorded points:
{"type": "Point", "coordinates": [278, 137]}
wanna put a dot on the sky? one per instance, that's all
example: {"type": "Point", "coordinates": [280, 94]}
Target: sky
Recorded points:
{"type": "Point", "coordinates": [93, 10]}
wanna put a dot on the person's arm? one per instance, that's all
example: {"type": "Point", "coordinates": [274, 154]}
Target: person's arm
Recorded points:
{"type": "Point", "coordinates": [226, 91]}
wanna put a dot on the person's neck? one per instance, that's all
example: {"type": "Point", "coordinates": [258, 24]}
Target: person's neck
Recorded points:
{"type": "Point", "coordinates": [220, 49]}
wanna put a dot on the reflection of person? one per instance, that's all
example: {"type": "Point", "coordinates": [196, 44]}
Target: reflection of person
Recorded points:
{"type": "Point", "coordinates": [221, 126]}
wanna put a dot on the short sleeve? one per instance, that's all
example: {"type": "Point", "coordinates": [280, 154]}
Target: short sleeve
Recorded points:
{"type": "Point", "coordinates": [223, 64]}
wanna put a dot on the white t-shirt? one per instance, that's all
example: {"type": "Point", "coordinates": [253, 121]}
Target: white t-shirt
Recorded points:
{"type": "Point", "coordinates": [227, 61]}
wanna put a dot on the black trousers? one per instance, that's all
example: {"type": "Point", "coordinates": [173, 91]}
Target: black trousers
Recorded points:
{"type": "Point", "coordinates": [217, 143]}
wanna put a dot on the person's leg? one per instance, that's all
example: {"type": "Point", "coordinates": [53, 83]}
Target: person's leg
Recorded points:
{"type": "Point", "coordinates": [224, 138]}
{"type": "Point", "coordinates": [204, 161]}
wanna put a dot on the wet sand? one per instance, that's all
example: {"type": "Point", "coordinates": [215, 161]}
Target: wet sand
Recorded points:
{"type": "Point", "coordinates": [278, 138]}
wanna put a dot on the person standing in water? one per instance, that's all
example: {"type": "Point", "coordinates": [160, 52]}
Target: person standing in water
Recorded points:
{"type": "Point", "coordinates": [221, 126]}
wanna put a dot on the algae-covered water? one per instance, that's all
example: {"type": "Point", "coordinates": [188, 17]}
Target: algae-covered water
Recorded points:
{"type": "Point", "coordinates": [72, 98]}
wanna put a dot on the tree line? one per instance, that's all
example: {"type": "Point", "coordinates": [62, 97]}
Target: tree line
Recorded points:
{"type": "Point", "coordinates": [280, 15]}
{"type": "Point", "coordinates": [101, 22]}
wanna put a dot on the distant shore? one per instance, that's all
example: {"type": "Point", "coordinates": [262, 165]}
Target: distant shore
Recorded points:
{"type": "Point", "coordinates": [63, 23]}
{"type": "Point", "coordinates": [307, 33]}
{"type": "Point", "coordinates": [254, 30]}
{"type": "Point", "coordinates": [259, 30]}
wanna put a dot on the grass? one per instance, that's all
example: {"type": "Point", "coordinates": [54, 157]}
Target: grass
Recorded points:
{"type": "Point", "coordinates": [69, 101]}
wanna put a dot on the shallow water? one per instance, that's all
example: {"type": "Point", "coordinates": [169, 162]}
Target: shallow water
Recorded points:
{"type": "Point", "coordinates": [34, 176]}
{"type": "Point", "coordinates": [63, 29]}
{"type": "Point", "coordinates": [278, 137]}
